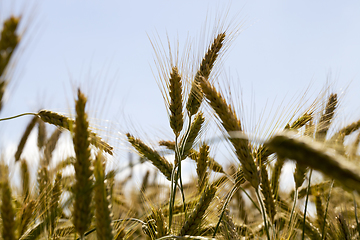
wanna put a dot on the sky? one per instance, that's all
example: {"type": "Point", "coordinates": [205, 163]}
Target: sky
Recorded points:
{"type": "Point", "coordinates": [283, 49]}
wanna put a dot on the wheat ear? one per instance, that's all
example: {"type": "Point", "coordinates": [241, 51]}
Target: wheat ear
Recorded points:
{"type": "Point", "coordinates": [320, 214]}
{"type": "Point", "coordinates": [25, 216]}
{"type": "Point", "coordinates": [102, 205]}
{"type": "Point", "coordinates": [67, 123]}
{"type": "Point", "coordinates": [24, 138]}
{"type": "Point", "coordinates": [175, 92]}
{"type": "Point", "coordinates": [54, 203]}
{"type": "Point", "coordinates": [310, 153]}
{"type": "Point", "coordinates": [231, 123]}
{"type": "Point", "coordinates": [299, 174]}
{"type": "Point", "coordinates": [25, 180]}
{"type": "Point", "coordinates": [83, 185]}
{"type": "Point", "coordinates": [41, 134]}
{"type": "Point", "coordinates": [194, 220]}
{"type": "Point", "coordinates": [268, 194]}
{"type": "Point", "coordinates": [158, 161]}
{"type": "Point", "coordinates": [51, 144]}
{"type": "Point", "coordinates": [275, 177]}
{"type": "Point", "coordinates": [326, 117]}
{"type": "Point", "coordinates": [194, 131]}
{"type": "Point", "coordinates": [201, 167]}
{"type": "Point", "coordinates": [196, 95]}
{"type": "Point", "coordinates": [7, 212]}
{"type": "Point", "coordinates": [8, 42]}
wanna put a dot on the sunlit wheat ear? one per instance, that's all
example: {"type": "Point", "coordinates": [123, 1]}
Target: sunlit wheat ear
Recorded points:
{"type": "Point", "coordinates": [25, 177]}
{"type": "Point", "coordinates": [43, 181]}
{"type": "Point", "coordinates": [83, 185]}
{"type": "Point", "coordinates": [313, 154]}
{"type": "Point", "coordinates": [7, 212]}
{"type": "Point", "coordinates": [194, 220]}
{"type": "Point", "coordinates": [158, 161]}
{"type": "Point", "coordinates": [67, 123]}
{"type": "Point", "coordinates": [231, 123]}
{"type": "Point", "coordinates": [201, 167]}
{"type": "Point", "coordinates": [268, 194]}
{"type": "Point", "coordinates": [41, 134]}
{"type": "Point", "coordinates": [25, 216]}
{"type": "Point", "coordinates": [300, 122]}
{"type": "Point", "coordinates": [8, 42]}
{"type": "Point", "coordinates": [102, 205]}
{"type": "Point", "coordinates": [175, 92]}
{"type": "Point", "coordinates": [24, 138]}
{"type": "Point", "coordinates": [207, 64]}
{"type": "Point", "coordinates": [326, 117]}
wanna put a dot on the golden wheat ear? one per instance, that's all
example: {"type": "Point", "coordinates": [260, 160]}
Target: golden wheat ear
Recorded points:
{"type": "Point", "coordinates": [24, 138]}
{"type": "Point", "coordinates": [176, 107]}
{"type": "Point", "coordinates": [326, 117]}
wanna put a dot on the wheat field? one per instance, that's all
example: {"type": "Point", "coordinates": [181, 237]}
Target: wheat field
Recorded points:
{"type": "Point", "coordinates": [241, 200]}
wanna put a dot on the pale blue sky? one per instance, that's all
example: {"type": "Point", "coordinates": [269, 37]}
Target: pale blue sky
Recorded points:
{"type": "Point", "coordinates": [284, 47]}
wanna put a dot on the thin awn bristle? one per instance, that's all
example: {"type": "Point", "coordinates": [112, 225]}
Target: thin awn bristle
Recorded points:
{"type": "Point", "coordinates": [175, 92]}
{"type": "Point", "coordinates": [83, 185]}
{"type": "Point", "coordinates": [67, 123]}
{"type": "Point", "coordinates": [230, 122]}
{"type": "Point", "coordinates": [207, 64]}
{"type": "Point", "coordinates": [307, 152]}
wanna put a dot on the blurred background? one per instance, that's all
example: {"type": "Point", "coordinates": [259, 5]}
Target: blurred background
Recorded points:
{"type": "Point", "coordinates": [280, 51]}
